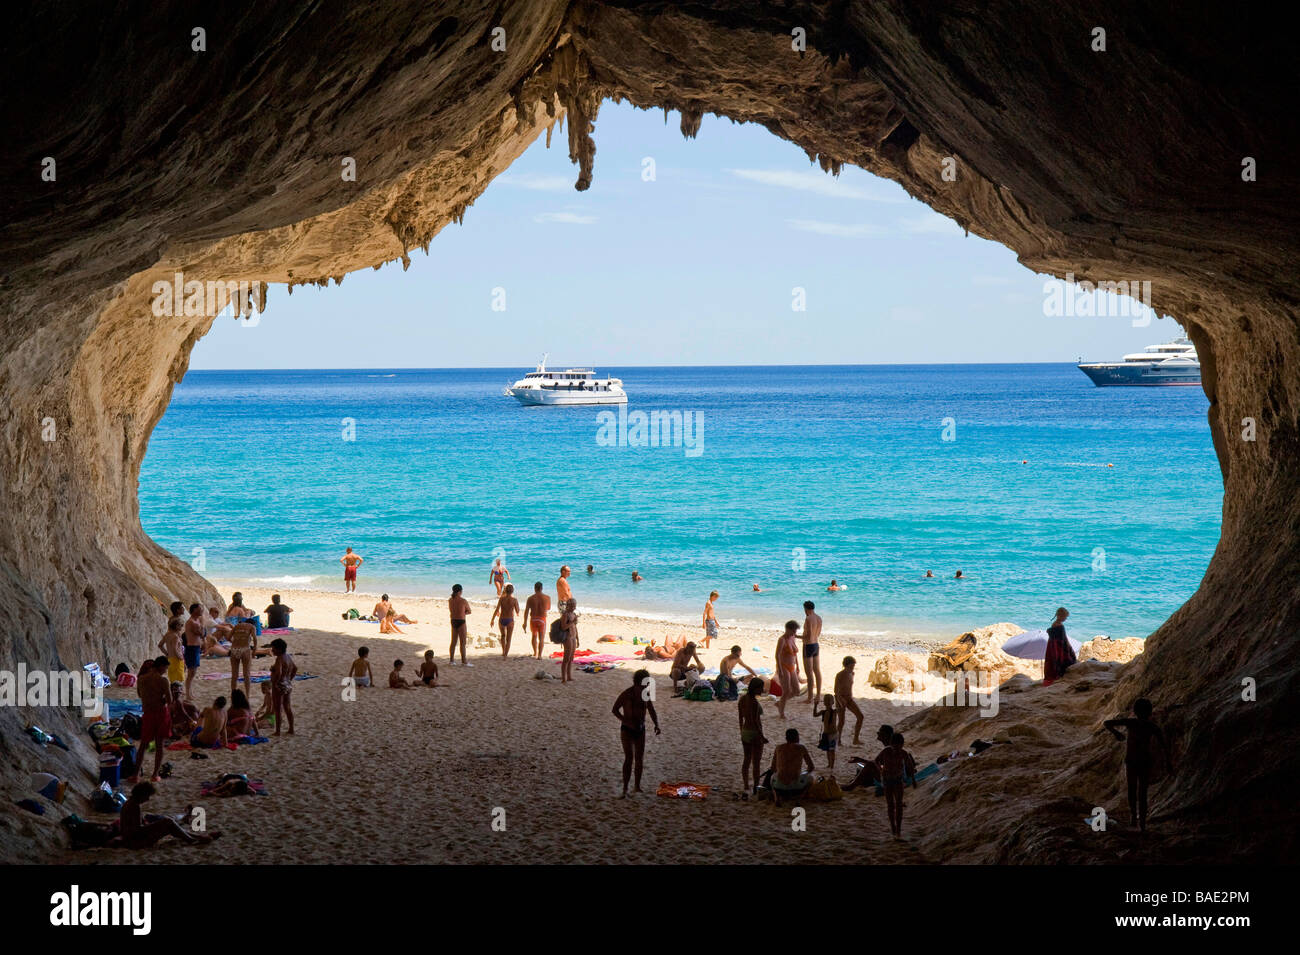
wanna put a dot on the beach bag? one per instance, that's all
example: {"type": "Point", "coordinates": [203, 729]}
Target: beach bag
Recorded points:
{"type": "Point", "coordinates": [126, 679]}
{"type": "Point", "coordinates": [352, 614]}
{"type": "Point", "coordinates": [825, 789]}
{"type": "Point", "coordinates": [130, 726]}
{"type": "Point", "coordinates": [557, 631]}
{"type": "Point", "coordinates": [701, 691]}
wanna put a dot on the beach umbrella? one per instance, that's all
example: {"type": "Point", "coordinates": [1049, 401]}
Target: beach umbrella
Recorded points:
{"type": "Point", "coordinates": [1032, 645]}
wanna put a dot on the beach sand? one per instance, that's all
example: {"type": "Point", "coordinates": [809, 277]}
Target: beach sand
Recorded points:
{"type": "Point", "coordinates": [421, 775]}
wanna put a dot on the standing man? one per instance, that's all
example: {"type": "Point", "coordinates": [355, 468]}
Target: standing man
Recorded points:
{"type": "Point", "coordinates": [459, 609]}
{"type": "Point", "coordinates": [536, 608]}
{"type": "Point", "coordinates": [194, 633]}
{"type": "Point", "coordinates": [563, 593]}
{"type": "Point", "coordinates": [155, 694]}
{"type": "Point", "coordinates": [710, 619]}
{"type": "Point", "coordinates": [350, 562]}
{"type": "Point", "coordinates": [845, 703]}
{"type": "Point", "coordinates": [631, 708]}
{"type": "Point", "coordinates": [812, 629]}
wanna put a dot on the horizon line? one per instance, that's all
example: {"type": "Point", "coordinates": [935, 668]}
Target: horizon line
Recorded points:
{"type": "Point", "coordinates": [886, 364]}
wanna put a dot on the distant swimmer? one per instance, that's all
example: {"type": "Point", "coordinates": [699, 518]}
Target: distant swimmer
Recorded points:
{"type": "Point", "coordinates": [636, 578]}
{"type": "Point", "coordinates": [758, 589]}
{"type": "Point", "coordinates": [710, 623]}
{"type": "Point", "coordinates": [929, 573]}
{"type": "Point", "coordinates": [499, 575]}
{"type": "Point", "coordinates": [350, 562]}
{"type": "Point", "coordinates": [590, 570]}
{"type": "Point", "coordinates": [563, 593]}
{"type": "Point", "coordinates": [958, 576]}
{"type": "Point", "coordinates": [834, 586]}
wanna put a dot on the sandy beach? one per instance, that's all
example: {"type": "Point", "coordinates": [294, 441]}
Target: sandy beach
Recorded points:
{"type": "Point", "coordinates": [420, 775]}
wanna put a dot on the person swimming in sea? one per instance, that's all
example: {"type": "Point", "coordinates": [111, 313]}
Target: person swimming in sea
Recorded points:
{"type": "Point", "coordinates": [834, 586]}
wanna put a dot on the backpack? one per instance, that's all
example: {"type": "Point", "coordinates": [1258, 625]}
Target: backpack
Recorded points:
{"type": "Point", "coordinates": [557, 631]}
{"type": "Point", "coordinates": [352, 614]}
{"type": "Point", "coordinates": [702, 691]}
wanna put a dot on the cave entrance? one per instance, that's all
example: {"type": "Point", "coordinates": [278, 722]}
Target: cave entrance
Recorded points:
{"type": "Point", "coordinates": [879, 396]}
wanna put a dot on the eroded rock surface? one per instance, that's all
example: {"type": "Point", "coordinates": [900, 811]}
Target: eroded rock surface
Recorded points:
{"type": "Point", "coordinates": [1115, 165]}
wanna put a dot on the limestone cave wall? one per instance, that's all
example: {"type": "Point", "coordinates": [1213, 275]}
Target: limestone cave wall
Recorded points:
{"type": "Point", "coordinates": [224, 163]}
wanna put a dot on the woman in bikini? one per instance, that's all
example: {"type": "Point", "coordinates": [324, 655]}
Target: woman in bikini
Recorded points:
{"type": "Point", "coordinates": [239, 718]}
{"type": "Point", "coordinates": [389, 622]}
{"type": "Point", "coordinates": [243, 642]}
{"type": "Point", "coordinates": [569, 627]}
{"type": "Point", "coordinates": [751, 732]}
{"type": "Point", "coordinates": [499, 575]}
{"type": "Point", "coordinates": [507, 609]}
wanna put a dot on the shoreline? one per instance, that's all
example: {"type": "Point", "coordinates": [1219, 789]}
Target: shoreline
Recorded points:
{"type": "Point", "coordinates": [881, 641]}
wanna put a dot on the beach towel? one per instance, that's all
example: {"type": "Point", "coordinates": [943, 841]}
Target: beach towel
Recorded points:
{"type": "Point", "coordinates": [184, 744]}
{"type": "Point", "coordinates": [684, 790]}
{"type": "Point", "coordinates": [251, 740]}
{"type": "Point", "coordinates": [598, 667]}
{"type": "Point", "coordinates": [277, 631]}
{"type": "Point", "coordinates": [119, 708]}
{"type": "Point", "coordinates": [591, 657]}
{"type": "Point", "coordinates": [256, 677]}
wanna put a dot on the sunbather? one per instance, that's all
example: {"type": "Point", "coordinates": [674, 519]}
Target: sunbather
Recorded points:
{"type": "Point", "coordinates": [139, 832]}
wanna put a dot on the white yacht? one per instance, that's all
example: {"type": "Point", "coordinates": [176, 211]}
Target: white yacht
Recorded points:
{"type": "Point", "coordinates": [573, 386]}
{"type": "Point", "coordinates": [1173, 363]}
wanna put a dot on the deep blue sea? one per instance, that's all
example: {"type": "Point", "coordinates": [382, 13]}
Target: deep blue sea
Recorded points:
{"type": "Point", "coordinates": [802, 474]}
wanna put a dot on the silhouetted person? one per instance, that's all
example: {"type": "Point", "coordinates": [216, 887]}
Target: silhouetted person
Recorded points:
{"type": "Point", "coordinates": [1137, 757]}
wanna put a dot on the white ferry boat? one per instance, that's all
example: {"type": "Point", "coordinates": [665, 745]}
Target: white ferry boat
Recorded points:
{"type": "Point", "coordinates": [573, 386]}
{"type": "Point", "coordinates": [1173, 363]}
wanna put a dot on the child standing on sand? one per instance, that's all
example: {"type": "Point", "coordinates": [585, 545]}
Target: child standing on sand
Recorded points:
{"type": "Point", "coordinates": [361, 674]}
{"type": "Point", "coordinates": [896, 768]}
{"type": "Point", "coordinates": [1137, 757]}
{"type": "Point", "coordinates": [830, 730]}
{"type": "Point", "coordinates": [283, 670]}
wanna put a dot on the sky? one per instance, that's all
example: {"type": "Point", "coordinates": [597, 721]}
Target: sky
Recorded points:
{"type": "Point", "coordinates": [695, 265]}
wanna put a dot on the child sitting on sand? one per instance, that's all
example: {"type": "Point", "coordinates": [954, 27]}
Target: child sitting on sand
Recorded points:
{"type": "Point", "coordinates": [266, 711]}
{"type": "Point", "coordinates": [830, 731]}
{"type": "Point", "coordinates": [428, 672]}
{"type": "Point", "coordinates": [395, 679]}
{"type": "Point", "coordinates": [185, 715]}
{"type": "Point", "coordinates": [361, 674]}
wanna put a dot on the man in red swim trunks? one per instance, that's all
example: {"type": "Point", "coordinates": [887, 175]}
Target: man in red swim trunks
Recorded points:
{"type": "Point", "coordinates": [350, 562]}
{"type": "Point", "coordinates": [155, 694]}
{"type": "Point", "coordinates": [536, 608]}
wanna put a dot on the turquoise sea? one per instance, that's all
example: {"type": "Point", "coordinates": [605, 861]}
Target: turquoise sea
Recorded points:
{"type": "Point", "coordinates": [797, 475]}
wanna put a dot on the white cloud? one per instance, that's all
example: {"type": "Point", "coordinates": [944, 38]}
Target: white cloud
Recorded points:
{"type": "Point", "coordinates": [570, 218]}
{"type": "Point", "coordinates": [531, 180]}
{"type": "Point", "coordinates": [859, 230]}
{"type": "Point", "coordinates": [931, 223]}
{"type": "Point", "coordinates": [821, 183]}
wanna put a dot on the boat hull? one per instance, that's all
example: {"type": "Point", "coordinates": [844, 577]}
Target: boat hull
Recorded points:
{"type": "Point", "coordinates": [1105, 375]}
{"type": "Point", "coordinates": [539, 397]}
